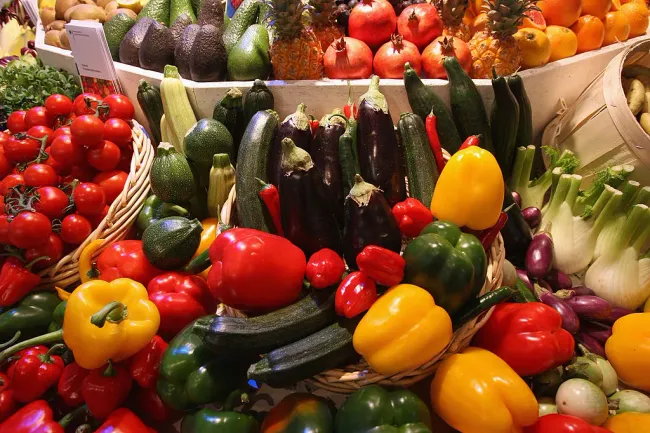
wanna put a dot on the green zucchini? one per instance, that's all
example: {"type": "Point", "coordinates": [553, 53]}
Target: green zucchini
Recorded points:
{"type": "Point", "coordinates": [222, 179]}
{"type": "Point", "coordinates": [261, 334]}
{"type": "Point", "coordinates": [258, 98]}
{"type": "Point", "coordinates": [172, 179]}
{"type": "Point", "coordinates": [326, 349]}
{"type": "Point", "coordinates": [504, 124]}
{"type": "Point", "coordinates": [421, 170]}
{"type": "Point", "coordinates": [422, 100]}
{"type": "Point", "coordinates": [230, 111]}
{"type": "Point", "coordinates": [467, 105]}
{"type": "Point", "coordinates": [151, 105]}
{"type": "Point", "coordinates": [170, 243]}
{"type": "Point", "coordinates": [481, 304]}
{"type": "Point", "coordinates": [251, 165]}
{"type": "Point", "coordinates": [525, 129]}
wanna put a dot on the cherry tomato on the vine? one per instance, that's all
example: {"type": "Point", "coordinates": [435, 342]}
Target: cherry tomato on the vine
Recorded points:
{"type": "Point", "coordinates": [117, 131]}
{"type": "Point", "coordinates": [38, 116]}
{"type": "Point", "coordinates": [89, 198]}
{"type": "Point", "coordinates": [4, 137]}
{"type": "Point", "coordinates": [104, 157]}
{"type": "Point", "coordinates": [4, 230]}
{"type": "Point", "coordinates": [112, 182]}
{"type": "Point", "coordinates": [52, 248]}
{"type": "Point", "coordinates": [125, 160]}
{"type": "Point", "coordinates": [75, 229]}
{"type": "Point", "coordinates": [82, 172]}
{"type": "Point", "coordinates": [16, 122]}
{"type": "Point", "coordinates": [29, 229]}
{"type": "Point", "coordinates": [10, 181]}
{"type": "Point", "coordinates": [41, 131]}
{"type": "Point", "coordinates": [67, 151]}
{"type": "Point", "coordinates": [52, 202]}
{"type": "Point", "coordinates": [95, 220]}
{"type": "Point", "coordinates": [119, 107]}
{"type": "Point", "coordinates": [88, 129]}
{"type": "Point", "coordinates": [58, 105]}
{"type": "Point", "coordinates": [64, 130]}
{"type": "Point", "coordinates": [40, 175]}
{"type": "Point", "coordinates": [52, 162]}
{"type": "Point", "coordinates": [5, 164]}
{"type": "Point", "coordinates": [80, 104]}
{"type": "Point", "coordinates": [21, 150]}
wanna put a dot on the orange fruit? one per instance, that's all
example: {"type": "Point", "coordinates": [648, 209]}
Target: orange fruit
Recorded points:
{"type": "Point", "coordinates": [616, 5]}
{"type": "Point", "coordinates": [637, 15]}
{"type": "Point", "coordinates": [479, 22]}
{"type": "Point", "coordinates": [560, 12]}
{"type": "Point", "coordinates": [564, 43]}
{"type": "Point", "coordinates": [475, 6]}
{"type": "Point", "coordinates": [533, 20]}
{"type": "Point", "coordinates": [535, 47]}
{"type": "Point", "coordinates": [590, 31]}
{"type": "Point", "coordinates": [617, 28]}
{"type": "Point", "coordinates": [597, 8]}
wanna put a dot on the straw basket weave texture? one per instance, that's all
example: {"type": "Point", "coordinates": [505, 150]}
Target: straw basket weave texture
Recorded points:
{"type": "Point", "coordinates": [121, 214]}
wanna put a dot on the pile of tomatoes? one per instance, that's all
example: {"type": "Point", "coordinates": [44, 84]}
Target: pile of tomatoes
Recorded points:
{"type": "Point", "coordinates": [61, 166]}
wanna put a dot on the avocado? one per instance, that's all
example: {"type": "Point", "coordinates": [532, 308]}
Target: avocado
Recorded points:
{"type": "Point", "coordinates": [157, 10]}
{"type": "Point", "coordinates": [245, 16]}
{"type": "Point", "coordinates": [212, 13]}
{"type": "Point", "coordinates": [115, 29]}
{"type": "Point", "coordinates": [157, 48]}
{"type": "Point", "coordinates": [208, 59]}
{"type": "Point", "coordinates": [130, 46]}
{"type": "Point", "coordinates": [180, 7]}
{"type": "Point", "coordinates": [183, 49]}
{"type": "Point", "coordinates": [250, 59]}
{"type": "Point", "coordinates": [179, 26]}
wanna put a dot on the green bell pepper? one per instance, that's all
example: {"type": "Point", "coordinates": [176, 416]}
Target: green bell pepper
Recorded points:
{"type": "Point", "coordinates": [57, 317]}
{"type": "Point", "coordinates": [300, 413]}
{"type": "Point", "coordinates": [31, 316]}
{"type": "Point", "coordinates": [374, 410]}
{"type": "Point", "coordinates": [154, 209]}
{"type": "Point", "coordinates": [448, 263]}
{"type": "Point", "coordinates": [191, 375]}
{"type": "Point", "coordinates": [213, 421]}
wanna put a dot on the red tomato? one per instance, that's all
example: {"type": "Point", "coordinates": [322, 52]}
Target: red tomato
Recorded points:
{"type": "Point", "coordinates": [58, 168]}
{"type": "Point", "coordinates": [4, 230]}
{"type": "Point", "coordinates": [75, 229]}
{"type": "Point", "coordinates": [112, 182]}
{"type": "Point", "coordinates": [29, 229]}
{"type": "Point", "coordinates": [21, 150]}
{"type": "Point", "coordinates": [89, 198]}
{"type": "Point", "coordinates": [52, 202]}
{"type": "Point", "coordinates": [58, 105]}
{"type": "Point", "coordinates": [105, 157]}
{"type": "Point", "coordinates": [4, 137]}
{"type": "Point", "coordinates": [125, 161]}
{"type": "Point", "coordinates": [83, 172]}
{"type": "Point", "coordinates": [86, 103]}
{"type": "Point", "coordinates": [88, 129]}
{"type": "Point", "coordinates": [117, 131]}
{"type": "Point", "coordinates": [67, 151]}
{"type": "Point", "coordinates": [64, 130]}
{"type": "Point", "coordinates": [95, 220]}
{"type": "Point", "coordinates": [10, 181]}
{"type": "Point", "coordinates": [16, 122]}
{"type": "Point", "coordinates": [5, 165]}
{"type": "Point", "coordinates": [41, 131]}
{"type": "Point", "coordinates": [38, 116]}
{"type": "Point", "coordinates": [40, 175]}
{"type": "Point", "coordinates": [119, 107]}
{"type": "Point", "coordinates": [52, 248]}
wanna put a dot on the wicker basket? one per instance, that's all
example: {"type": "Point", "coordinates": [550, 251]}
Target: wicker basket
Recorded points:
{"type": "Point", "coordinates": [121, 214]}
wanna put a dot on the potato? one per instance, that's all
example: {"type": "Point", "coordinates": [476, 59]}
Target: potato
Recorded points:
{"type": "Point", "coordinates": [128, 12]}
{"type": "Point", "coordinates": [645, 122]}
{"type": "Point", "coordinates": [48, 15]}
{"type": "Point", "coordinates": [103, 3]}
{"type": "Point", "coordinates": [56, 25]}
{"type": "Point", "coordinates": [62, 6]}
{"type": "Point", "coordinates": [636, 96]}
{"type": "Point", "coordinates": [53, 38]}
{"type": "Point", "coordinates": [64, 40]}
{"type": "Point", "coordinates": [111, 6]}
{"type": "Point", "coordinates": [85, 12]}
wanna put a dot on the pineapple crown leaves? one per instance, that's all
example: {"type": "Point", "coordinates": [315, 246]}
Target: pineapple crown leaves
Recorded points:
{"type": "Point", "coordinates": [288, 17]}
{"type": "Point", "coordinates": [504, 16]}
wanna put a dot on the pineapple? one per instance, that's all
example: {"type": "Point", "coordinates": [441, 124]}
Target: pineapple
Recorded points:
{"type": "Point", "coordinates": [452, 13]}
{"type": "Point", "coordinates": [495, 47]}
{"type": "Point", "coordinates": [296, 52]}
{"type": "Point", "coordinates": [324, 22]}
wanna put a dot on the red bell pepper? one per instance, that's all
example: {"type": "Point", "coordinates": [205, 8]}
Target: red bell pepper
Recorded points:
{"type": "Point", "coordinates": [472, 140]}
{"type": "Point", "coordinates": [33, 375]}
{"type": "Point", "coordinates": [255, 271]}
{"type": "Point", "coordinates": [17, 280]}
{"type": "Point", "coordinates": [355, 294]}
{"type": "Point", "coordinates": [123, 421]}
{"type": "Point", "coordinates": [145, 364]}
{"type": "Point", "coordinates": [7, 403]}
{"type": "Point", "coordinates": [125, 259]}
{"type": "Point", "coordinates": [34, 350]}
{"type": "Point", "coordinates": [180, 299]}
{"type": "Point", "coordinates": [412, 216]}
{"type": "Point", "coordinates": [105, 389]}
{"type": "Point", "coordinates": [556, 423]}
{"type": "Point", "coordinates": [71, 383]}
{"type": "Point", "coordinates": [271, 199]}
{"type": "Point", "coordinates": [150, 407]}
{"type": "Point", "coordinates": [324, 269]}
{"type": "Point", "coordinates": [36, 417]}
{"type": "Point", "coordinates": [434, 140]}
{"type": "Point", "coordinates": [384, 266]}
{"type": "Point", "coordinates": [528, 337]}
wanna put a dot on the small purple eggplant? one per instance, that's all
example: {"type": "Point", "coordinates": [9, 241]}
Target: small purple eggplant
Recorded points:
{"type": "Point", "coordinates": [539, 256]}
{"type": "Point", "coordinates": [591, 344]}
{"type": "Point", "coordinates": [516, 197]}
{"type": "Point", "coordinates": [597, 331]}
{"type": "Point", "coordinates": [523, 276]}
{"type": "Point", "coordinates": [570, 320]}
{"type": "Point", "coordinates": [558, 280]}
{"type": "Point", "coordinates": [615, 314]}
{"type": "Point", "coordinates": [533, 216]}
{"type": "Point", "coordinates": [583, 291]}
{"type": "Point", "coordinates": [590, 307]}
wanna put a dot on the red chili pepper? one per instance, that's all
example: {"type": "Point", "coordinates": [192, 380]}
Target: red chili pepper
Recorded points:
{"type": "Point", "coordinates": [145, 364]}
{"type": "Point", "coordinates": [71, 384]}
{"type": "Point", "coordinates": [35, 350]}
{"type": "Point", "coordinates": [489, 235]}
{"type": "Point", "coordinates": [472, 140]}
{"type": "Point", "coordinates": [313, 125]}
{"type": "Point", "coordinates": [556, 423]}
{"type": "Point", "coordinates": [33, 375]}
{"type": "Point", "coordinates": [412, 216]}
{"type": "Point", "coordinates": [355, 294]}
{"type": "Point", "coordinates": [324, 269]}
{"type": "Point", "coordinates": [7, 403]}
{"type": "Point", "coordinates": [180, 299]}
{"type": "Point", "coordinates": [384, 266]}
{"type": "Point", "coordinates": [271, 198]}
{"type": "Point", "coordinates": [17, 280]}
{"type": "Point", "coordinates": [150, 407]}
{"type": "Point", "coordinates": [125, 259]}
{"type": "Point", "coordinates": [123, 421]}
{"type": "Point", "coordinates": [350, 110]}
{"type": "Point", "coordinates": [36, 417]}
{"type": "Point", "coordinates": [434, 140]}
{"type": "Point", "coordinates": [105, 389]}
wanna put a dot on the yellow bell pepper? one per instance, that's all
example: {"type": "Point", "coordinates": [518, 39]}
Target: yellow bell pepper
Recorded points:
{"type": "Point", "coordinates": [85, 259]}
{"type": "Point", "coordinates": [628, 350]}
{"type": "Point", "coordinates": [402, 330]}
{"type": "Point", "coordinates": [108, 321]}
{"type": "Point", "coordinates": [470, 189]}
{"type": "Point", "coordinates": [629, 422]}
{"type": "Point", "coordinates": [646, 308]}
{"type": "Point", "coordinates": [475, 391]}
{"type": "Point", "coordinates": [208, 235]}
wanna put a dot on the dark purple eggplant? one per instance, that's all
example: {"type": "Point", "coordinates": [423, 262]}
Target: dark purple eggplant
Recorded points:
{"type": "Point", "coordinates": [615, 314]}
{"type": "Point", "coordinates": [296, 127]}
{"type": "Point", "coordinates": [590, 307]}
{"type": "Point", "coordinates": [516, 197]}
{"type": "Point", "coordinates": [307, 220]}
{"type": "Point", "coordinates": [598, 331]}
{"type": "Point", "coordinates": [368, 221]}
{"type": "Point", "coordinates": [325, 154]}
{"type": "Point", "coordinates": [570, 320]}
{"type": "Point", "coordinates": [533, 216]}
{"type": "Point", "coordinates": [539, 256]}
{"type": "Point", "coordinates": [583, 291]}
{"type": "Point", "coordinates": [591, 344]}
{"type": "Point", "coordinates": [558, 280]}
{"type": "Point", "coordinates": [380, 159]}
{"type": "Point", "coordinates": [516, 233]}
{"type": "Point", "coordinates": [523, 276]}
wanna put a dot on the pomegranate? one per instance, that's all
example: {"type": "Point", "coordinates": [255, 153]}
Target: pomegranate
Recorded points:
{"type": "Point", "coordinates": [348, 58]}
{"type": "Point", "coordinates": [391, 57]}
{"type": "Point", "coordinates": [372, 21]}
{"type": "Point", "coordinates": [420, 24]}
{"type": "Point", "coordinates": [445, 47]}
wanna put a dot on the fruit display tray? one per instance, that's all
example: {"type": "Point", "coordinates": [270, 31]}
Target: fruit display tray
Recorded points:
{"type": "Point", "coordinates": [547, 86]}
